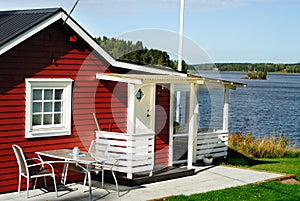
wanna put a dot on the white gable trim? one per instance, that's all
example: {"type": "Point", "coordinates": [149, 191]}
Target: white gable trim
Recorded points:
{"type": "Point", "coordinates": [82, 33]}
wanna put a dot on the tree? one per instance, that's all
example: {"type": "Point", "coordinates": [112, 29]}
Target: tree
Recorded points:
{"type": "Point", "coordinates": [136, 53]}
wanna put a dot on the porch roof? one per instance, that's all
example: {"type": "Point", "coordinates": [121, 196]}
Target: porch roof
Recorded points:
{"type": "Point", "coordinates": [159, 78]}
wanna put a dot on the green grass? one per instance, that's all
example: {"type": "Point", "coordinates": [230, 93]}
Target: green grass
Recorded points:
{"type": "Point", "coordinates": [281, 165]}
{"type": "Point", "coordinates": [270, 191]}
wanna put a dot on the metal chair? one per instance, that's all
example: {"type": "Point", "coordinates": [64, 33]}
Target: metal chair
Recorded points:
{"type": "Point", "coordinates": [104, 162]}
{"type": "Point", "coordinates": [98, 151]}
{"type": "Point", "coordinates": [26, 170]}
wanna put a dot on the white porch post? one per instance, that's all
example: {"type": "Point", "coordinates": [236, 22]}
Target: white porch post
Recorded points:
{"type": "Point", "coordinates": [131, 109]}
{"type": "Point", "coordinates": [225, 109]}
{"type": "Point", "coordinates": [193, 124]}
{"type": "Point", "coordinates": [171, 124]}
{"type": "Point", "coordinates": [130, 117]}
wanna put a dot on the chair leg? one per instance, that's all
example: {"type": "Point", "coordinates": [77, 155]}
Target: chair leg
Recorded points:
{"type": "Point", "coordinates": [35, 180]}
{"type": "Point", "coordinates": [27, 190]}
{"type": "Point", "coordinates": [84, 181]}
{"type": "Point", "coordinates": [19, 187]}
{"type": "Point", "coordinates": [45, 183]}
{"type": "Point", "coordinates": [54, 183]}
{"type": "Point", "coordinates": [102, 181]}
{"type": "Point", "coordinates": [117, 186]}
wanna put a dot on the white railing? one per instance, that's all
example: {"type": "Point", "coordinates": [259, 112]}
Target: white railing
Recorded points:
{"type": "Point", "coordinates": [136, 152]}
{"type": "Point", "coordinates": [211, 142]}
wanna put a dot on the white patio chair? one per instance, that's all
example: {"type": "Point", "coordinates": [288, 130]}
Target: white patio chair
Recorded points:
{"type": "Point", "coordinates": [28, 171]}
{"type": "Point", "coordinates": [105, 162]}
{"type": "Point", "coordinates": [96, 150]}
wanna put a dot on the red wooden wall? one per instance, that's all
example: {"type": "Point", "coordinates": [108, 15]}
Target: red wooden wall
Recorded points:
{"type": "Point", "coordinates": [162, 110]}
{"type": "Point", "coordinates": [50, 54]}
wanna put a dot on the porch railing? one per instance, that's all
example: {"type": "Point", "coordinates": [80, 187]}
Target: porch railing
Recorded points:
{"type": "Point", "coordinates": [136, 152]}
{"type": "Point", "coordinates": [213, 142]}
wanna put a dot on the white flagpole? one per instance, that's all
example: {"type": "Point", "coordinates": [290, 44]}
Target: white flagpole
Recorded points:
{"type": "Point", "coordinates": [180, 45]}
{"type": "Point", "coordinates": [179, 68]}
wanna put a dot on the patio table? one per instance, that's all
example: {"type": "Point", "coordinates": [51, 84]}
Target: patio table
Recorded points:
{"type": "Point", "coordinates": [84, 160]}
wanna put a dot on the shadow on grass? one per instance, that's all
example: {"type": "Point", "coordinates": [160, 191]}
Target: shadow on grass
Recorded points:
{"type": "Point", "coordinates": [237, 159]}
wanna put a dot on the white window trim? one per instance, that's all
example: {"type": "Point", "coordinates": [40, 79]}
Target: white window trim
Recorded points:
{"type": "Point", "coordinates": [51, 131]}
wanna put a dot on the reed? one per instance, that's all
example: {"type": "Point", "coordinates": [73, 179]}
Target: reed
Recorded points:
{"type": "Point", "coordinates": [272, 146]}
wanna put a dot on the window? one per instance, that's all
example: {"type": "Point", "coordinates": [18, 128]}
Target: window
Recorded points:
{"type": "Point", "coordinates": [48, 107]}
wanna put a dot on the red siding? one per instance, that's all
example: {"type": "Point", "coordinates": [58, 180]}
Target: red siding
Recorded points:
{"type": "Point", "coordinates": [49, 54]}
{"type": "Point", "coordinates": [162, 125]}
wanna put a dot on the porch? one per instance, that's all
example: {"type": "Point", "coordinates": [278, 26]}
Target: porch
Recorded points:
{"type": "Point", "coordinates": [184, 142]}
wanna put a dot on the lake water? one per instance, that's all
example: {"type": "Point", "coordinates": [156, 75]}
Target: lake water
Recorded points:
{"type": "Point", "coordinates": [264, 107]}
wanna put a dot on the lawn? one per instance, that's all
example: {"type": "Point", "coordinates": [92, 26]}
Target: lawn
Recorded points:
{"type": "Point", "coordinates": [282, 165]}
{"type": "Point", "coordinates": [268, 191]}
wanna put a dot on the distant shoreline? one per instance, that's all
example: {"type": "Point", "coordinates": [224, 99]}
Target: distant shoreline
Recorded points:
{"type": "Point", "coordinates": [279, 73]}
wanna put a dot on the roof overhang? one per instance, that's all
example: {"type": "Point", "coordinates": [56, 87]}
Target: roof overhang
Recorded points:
{"type": "Point", "coordinates": [148, 78]}
{"type": "Point", "coordinates": [162, 79]}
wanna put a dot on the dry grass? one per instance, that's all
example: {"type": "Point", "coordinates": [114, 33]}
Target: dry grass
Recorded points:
{"type": "Point", "coordinates": [273, 146]}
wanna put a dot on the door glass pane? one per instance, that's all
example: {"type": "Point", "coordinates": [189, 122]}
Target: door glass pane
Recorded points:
{"type": "Point", "coordinates": [48, 94]}
{"type": "Point", "coordinates": [37, 94]}
{"type": "Point", "coordinates": [37, 107]}
{"type": "Point", "coordinates": [57, 119]}
{"type": "Point", "coordinates": [57, 107]}
{"type": "Point", "coordinates": [58, 94]}
{"type": "Point", "coordinates": [47, 119]}
{"type": "Point", "coordinates": [36, 120]}
{"type": "Point", "coordinates": [48, 107]}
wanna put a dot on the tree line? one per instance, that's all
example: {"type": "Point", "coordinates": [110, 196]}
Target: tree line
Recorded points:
{"type": "Point", "coordinates": [264, 67]}
{"type": "Point", "coordinates": [137, 53]}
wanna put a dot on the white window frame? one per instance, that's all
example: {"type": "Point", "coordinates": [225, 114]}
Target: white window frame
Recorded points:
{"type": "Point", "coordinates": [49, 130]}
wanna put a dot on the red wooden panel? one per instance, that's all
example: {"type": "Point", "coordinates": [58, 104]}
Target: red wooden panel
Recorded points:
{"type": "Point", "coordinates": [34, 58]}
{"type": "Point", "coordinates": [162, 128]}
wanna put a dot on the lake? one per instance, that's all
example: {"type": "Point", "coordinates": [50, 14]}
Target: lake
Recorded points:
{"type": "Point", "coordinates": [263, 108]}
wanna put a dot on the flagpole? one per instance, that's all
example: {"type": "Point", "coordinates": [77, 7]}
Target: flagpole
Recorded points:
{"type": "Point", "coordinates": [179, 68]}
{"type": "Point", "coordinates": [180, 45]}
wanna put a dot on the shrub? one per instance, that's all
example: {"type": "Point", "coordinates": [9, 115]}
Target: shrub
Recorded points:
{"type": "Point", "coordinates": [272, 146]}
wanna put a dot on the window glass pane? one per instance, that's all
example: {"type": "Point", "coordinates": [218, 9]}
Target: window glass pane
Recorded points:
{"type": "Point", "coordinates": [36, 120]}
{"type": "Point", "coordinates": [57, 119]}
{"type": "Point", "coordinates": [57, 107]}
{"type": "Point", "coordinates": [47, 119]}
{"type": "Point", "coordinates": [58, 94]}
{"type": "Point", "coordinates": [37, 94]}
{"type": "Point", "coordinates": [48, 107]}
{"type": "Point", "coordinates": [48, 93]}
{"type": "Point", "coordinates": [37, 107]}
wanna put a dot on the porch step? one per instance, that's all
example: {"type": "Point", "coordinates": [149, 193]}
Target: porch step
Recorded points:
{"type": "Point", "coordinates": [159, 174]}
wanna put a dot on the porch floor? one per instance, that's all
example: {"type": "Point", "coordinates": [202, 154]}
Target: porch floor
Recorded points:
{"type": "Point", "coordinates": [206, 178]}
{"type": "Point", "coordinates": [158, 174]}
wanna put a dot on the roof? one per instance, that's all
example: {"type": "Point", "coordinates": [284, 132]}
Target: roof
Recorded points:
{"type": "Point", "coordinates": [16, 22]}
{"type": "Point", "coordinates": [147, 78]}
{"type": "Point", "coordinates": [176, 79]}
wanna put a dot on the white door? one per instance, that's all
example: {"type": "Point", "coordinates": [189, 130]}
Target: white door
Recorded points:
{"type": "Point", "coordinates": [144, 108]}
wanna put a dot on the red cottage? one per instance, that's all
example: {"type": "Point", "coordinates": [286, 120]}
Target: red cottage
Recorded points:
{"type": "Point", "coordinates": [54, 76]}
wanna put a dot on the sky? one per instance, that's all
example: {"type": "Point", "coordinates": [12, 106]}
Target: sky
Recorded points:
{"type": "Point", "coordinates": [214, 30]}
